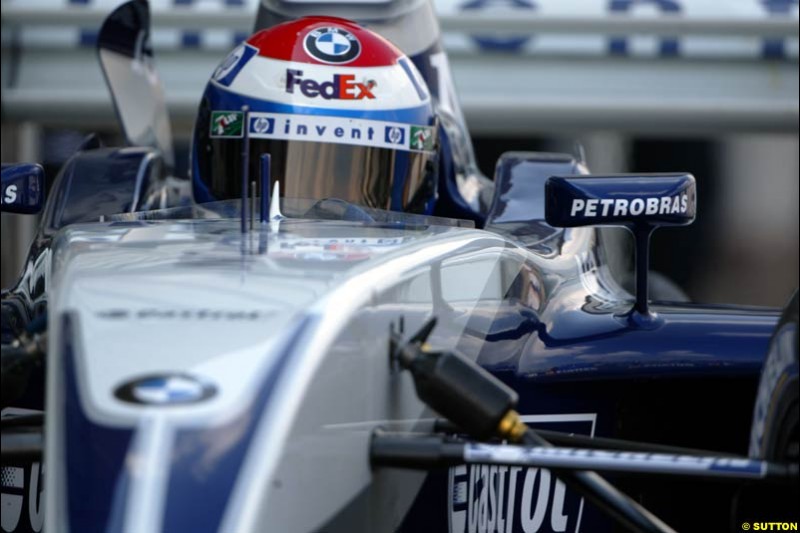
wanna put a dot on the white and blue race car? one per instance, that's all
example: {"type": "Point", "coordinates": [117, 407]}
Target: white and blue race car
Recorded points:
{"type": "Point", "coordinates": [270, 362]}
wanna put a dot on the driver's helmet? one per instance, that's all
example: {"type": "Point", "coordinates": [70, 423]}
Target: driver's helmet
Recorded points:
{"type": "Point", "coordinates": [341, 111]}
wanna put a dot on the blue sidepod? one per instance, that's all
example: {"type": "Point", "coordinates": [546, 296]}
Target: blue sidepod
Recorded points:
{"type": "Point", "coordinates": [686, 383]}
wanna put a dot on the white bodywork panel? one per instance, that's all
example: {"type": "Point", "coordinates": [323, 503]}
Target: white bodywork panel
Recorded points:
{"type": "Point", "coordinates": [194, 298]}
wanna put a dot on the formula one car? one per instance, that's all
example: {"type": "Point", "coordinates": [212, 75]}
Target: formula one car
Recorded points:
{"type": "Point", "coordinates": [446, 354]}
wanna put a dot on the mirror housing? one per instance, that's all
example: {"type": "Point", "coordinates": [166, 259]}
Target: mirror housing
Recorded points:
{"type": "Point", "coordinates": [621, 200]}
{"type": "Point", "coordinates": [639, 202]}
{"type": "Point", "coordinates": [22, 188]}
{"type": "Point", "coordinates": [126, 58]}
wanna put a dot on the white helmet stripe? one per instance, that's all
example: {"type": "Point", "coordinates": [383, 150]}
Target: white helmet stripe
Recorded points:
{"type": "Point", "coordinates": [342, 130]}
{"type": "Point", "coordinates": [327, 87]}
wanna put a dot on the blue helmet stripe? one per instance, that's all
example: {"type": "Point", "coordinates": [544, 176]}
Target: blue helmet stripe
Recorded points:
{"type": "Point", "coordinates": [423, 95]}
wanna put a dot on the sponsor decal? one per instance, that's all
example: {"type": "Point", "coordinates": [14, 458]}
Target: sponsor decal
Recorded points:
{"type": "Point", "coordinates": [22, 497]}
{"type": "Point", "coordinates": [340, 130]}
{"type": "Point", "coordinates": [422, 138]}
{"type": "Point", "coordinates": [226, 124]}
{"type": "Point", "coordinates": [165, 389]}
{"type": "Point", "coordinates": [588, 459]}
{"type": "Point", "coordinates": [22, 487]}
{"type": "Point", "coordinates": [230, 67]}
{"type": "Point", "coordinates": [620, 207]}
{"type": "Point", "coordinates": [342, 87]}
{"type": "Point", "coordinates": [184, 314]}
{"type": "Point", "coordinates": [330, 243]}
{"type": "Point", "coordinates": [504, 499]}
{"type": "Point", "coordinates": [262, 125]}
{"type": "Point", "coordinates": [395, 135]}
{"type": "Point", "coordinates": [332, 45]}
{"type": "Point", "coordinates": [10, 194]}
{"type": "Point", "coordinates": [13, 483]}
{"type": "Point", "coordinates": [335, 249]}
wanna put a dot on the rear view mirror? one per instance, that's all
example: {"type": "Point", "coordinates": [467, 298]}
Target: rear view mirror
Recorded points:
{"type": "Point", "coordinates": [22, 188]}
{"type": "Point", "coordinates": [621, 200]}
{"type": "Point", "coordinates": [639, 202]}
{"type": "Point", "coordinates": [126, 58]}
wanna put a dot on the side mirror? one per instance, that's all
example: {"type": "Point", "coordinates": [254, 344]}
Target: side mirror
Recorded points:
{"type": "Point", "coordinates": [620, 200]}
{"type": "Point", "coordinates": [22, 188]}
{"type": "Point", "coordinates": [639, 202]}
{"type": "Point", "coordinates": [126, 58]}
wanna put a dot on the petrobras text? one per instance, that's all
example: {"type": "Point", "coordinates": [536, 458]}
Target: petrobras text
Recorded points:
{"type": "Point", "coordinates": [620, 207]}
{"type": "Point", "coordinates": [342, 87]}
{"type": "Point", "coordinates": [9, 195]}
{"type": "Point", "coordinates": [340, 130]}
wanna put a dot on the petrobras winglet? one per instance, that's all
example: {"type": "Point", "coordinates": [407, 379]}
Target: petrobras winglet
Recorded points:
{"type": "Point", "coordinates": [621, 200]}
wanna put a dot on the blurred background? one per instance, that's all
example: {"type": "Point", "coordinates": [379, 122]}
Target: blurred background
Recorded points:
{"type": "Point", "coordinates": [704, 86]}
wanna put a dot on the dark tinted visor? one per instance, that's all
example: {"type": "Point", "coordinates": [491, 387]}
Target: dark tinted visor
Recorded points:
{"type": "Point", "coordinates": [362, 175]}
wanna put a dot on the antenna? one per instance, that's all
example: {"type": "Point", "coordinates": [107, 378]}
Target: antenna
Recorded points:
{"type": "Point", "coordinates": [265, 179]}
{"type": "Point", "coordinates": [245, 167]}
{"type": "Point", "coordinates": [253, 192]}
{"type": "Point", "coordinates": [579, 152]}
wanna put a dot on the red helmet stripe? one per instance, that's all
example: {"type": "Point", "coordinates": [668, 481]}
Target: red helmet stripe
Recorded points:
{"type": "Point", "coordinates": [325, 41]}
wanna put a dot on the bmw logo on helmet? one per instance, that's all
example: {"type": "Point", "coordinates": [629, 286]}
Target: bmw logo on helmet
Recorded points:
{"type": "Point", "coordinates": [332, 45]}
{"type": "Point", "coordinates": [165, 389]}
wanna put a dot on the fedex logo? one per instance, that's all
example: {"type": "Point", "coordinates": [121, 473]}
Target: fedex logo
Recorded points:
{"type": "Point", "coordinates": [342, 87]}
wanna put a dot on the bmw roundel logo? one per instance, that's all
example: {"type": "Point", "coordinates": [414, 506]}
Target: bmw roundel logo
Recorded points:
{"type": "Point", "coordinates": [165, 389]}
{"type": "Point", "coordinates": [332, 45]}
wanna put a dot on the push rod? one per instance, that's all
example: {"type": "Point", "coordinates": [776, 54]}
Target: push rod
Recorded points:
{"type": "Point", "coordinates": [432, 451]}
{"type": "Point", "coordinates": [572, 440]}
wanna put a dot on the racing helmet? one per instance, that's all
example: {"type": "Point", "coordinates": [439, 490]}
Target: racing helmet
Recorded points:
{"type": "Point", "coordinates": [342, 113]}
